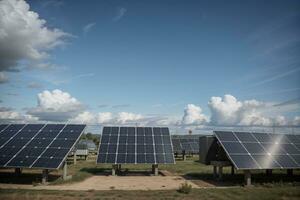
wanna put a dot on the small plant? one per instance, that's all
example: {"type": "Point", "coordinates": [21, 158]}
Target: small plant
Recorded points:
{"type": "Point", "coordinates": [112, 187]}
{"type": "Point", "coordinates": [185, 188]}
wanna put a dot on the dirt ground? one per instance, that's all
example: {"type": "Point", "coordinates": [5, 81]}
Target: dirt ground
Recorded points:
{"type": "Point", "coordinates": [114, 183]}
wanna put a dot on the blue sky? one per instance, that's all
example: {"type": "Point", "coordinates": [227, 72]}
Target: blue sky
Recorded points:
{"type": "Point", "coordinates": [156, 57]}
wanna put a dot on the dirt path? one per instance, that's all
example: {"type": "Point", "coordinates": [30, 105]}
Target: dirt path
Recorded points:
{"type": "Point", "coordinates": [114, 182]}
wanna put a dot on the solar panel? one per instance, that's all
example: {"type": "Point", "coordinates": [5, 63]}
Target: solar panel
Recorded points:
{"type": "Point", "coordinates": [122, 145]}
{"type": "Point", "coordinates": [37, 145]}
{"type": "Point", "coordinates": [187, 143]}
{"type": "Point", "coordinates": [261, 150]}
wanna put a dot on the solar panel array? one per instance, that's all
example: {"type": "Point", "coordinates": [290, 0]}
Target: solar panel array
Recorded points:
{"type": "Point", "coordinates": [122, 145]}
{"type": "Point", "coordinates": [37, 145]}
{"type": "Point", "coordinates": [186, 143]}
{"type": "Point", "coordinates": [261, 150]}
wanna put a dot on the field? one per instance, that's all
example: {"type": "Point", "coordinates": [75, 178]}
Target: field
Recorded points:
{"type": "Point", "coordinates": [277, 186]}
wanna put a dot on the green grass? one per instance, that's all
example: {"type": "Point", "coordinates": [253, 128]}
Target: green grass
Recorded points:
{"type": "Point", "coordinates": [190, 169]}
{"type": "Point", "coordinates": [261, 193]}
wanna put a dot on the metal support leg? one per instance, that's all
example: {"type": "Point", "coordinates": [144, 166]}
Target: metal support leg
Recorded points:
{"type": "Point", "coordinates": [269, 172]}
{"type": "Point", "coordinates": [119, 167]}
{"type": "Point", "coordinates": [220, 172]}
{"type": "Point", "coordinates": [290, 172]}
{"type": "Point", "coordinates": [18, 171]}
{"type": "Point", "coordinates": [232, 170]}
{"type": "Point", "coordinates": [75, 158]}
{"type": "Point", "coordinates": [183, 155]}
{"type": "Point", "coordinates": [247, 177]}
{"type": "Point", "coordinates": [215, 171]}
{"type": "Point", "coordinates": [45, 176]}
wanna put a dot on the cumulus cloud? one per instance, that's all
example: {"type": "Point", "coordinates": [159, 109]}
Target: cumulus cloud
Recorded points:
{"type": "Point", "coordinates": [56, 106]}
{"type": "Point", "coordinates": [24, 36]}
{"type": "Point", "coordinates": [296, 121]}
{"type": "Point", "coordinates": [193, 115]}
{"type": "Point", "coordinates": [104, 117]}
{"type": "Point", "coordinates": [125, 117]}
{"type": "Point", "coordinates": [229, 111]}
{"type": "Point", "coordinates": [8, 115]}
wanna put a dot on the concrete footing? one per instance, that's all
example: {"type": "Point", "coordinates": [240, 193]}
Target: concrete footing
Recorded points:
{"type": "Point", "coordinates": [75, 158]}
{"type": "Point", "coordinates": [155, 169]}
{"type": "Point", "coordinates": [65, 172]}
{"type": "Point", "coordinates": [45, 174]}
{"type": "Point", "coordinates": [247, 174]}
{"type": "Point", "coordinates": [114, 170]}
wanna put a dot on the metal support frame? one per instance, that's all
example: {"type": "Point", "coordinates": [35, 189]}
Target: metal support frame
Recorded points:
{"type": "Point", "coordinates": [232, 170]}
{"type": "Point", "coordinates": [218, 168]}
{"type": "Point", "coordinates": [247, 174]}
{"type": "Point", "coordinates": [215, 171]}
{"type": "Point", "coordinates": [183, 155]}
{"type": "Point", "coordinates": [45, 174]}
{"type": "Point", "coordinates": [220, 171]}
{"type": "Point", "coordinates": [269, 172]}
{"type": "Point", "coordinates": [289, 172]}
{"type": "Point", "coordinates": [18, 171]}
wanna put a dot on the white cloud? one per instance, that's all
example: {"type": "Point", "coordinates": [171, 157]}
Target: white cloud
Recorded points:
{"type": "Point", "coordinates": [296, 121]}
{"type": "Point", "coordinates": [84, 117]}
{"type": "Point", "coordinates": [230, 111]}
{"type": "Point", "coordinates": [124, 117]}
{"type": "Point", "coordinates": [193, 115]}
{"type": "Point", "coordinates": [120, 14]}
{"type": "Point", "coordinates": [24, 36]}
{"type": "Point", "coordinates": [104, 117]}
{"type": "Point", "coordinates": [280, 121]}
{"type": "Point", "coordinates": [88, 27]}
{"type": "Point", "coordinates": [56, 106]}
{"type": "Point", "coordinates": [8, 115]}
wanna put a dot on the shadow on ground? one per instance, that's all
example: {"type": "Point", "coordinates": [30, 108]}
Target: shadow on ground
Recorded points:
{"type": "Point", "coordinates": [123, 172]}
{"type": "Point", "coordinates": [238, 179]}
{"type": "Point", "coordinates": [25, 178]}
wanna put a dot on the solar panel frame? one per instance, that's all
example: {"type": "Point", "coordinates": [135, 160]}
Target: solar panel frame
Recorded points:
{"type": "Point", "coordinates": [263, 140]}
{"type": "Point", "coordinates": [28, 153]}
{"type": "Point", "coordinates": [135, 145]}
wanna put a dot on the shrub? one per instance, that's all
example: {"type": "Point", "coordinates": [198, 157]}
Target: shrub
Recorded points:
{"type": "Point", "coordinates": [185, 188]}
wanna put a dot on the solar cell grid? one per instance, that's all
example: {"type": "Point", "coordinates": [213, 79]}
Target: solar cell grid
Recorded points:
{"type": "Point", "coordinates": [187, 143]}
{"type": "Point", "coordinates": [31, 145]}
{"type": "Point", "coordinates": [121, 145]}
{"type": "Point", "coordinates": [260, 150]}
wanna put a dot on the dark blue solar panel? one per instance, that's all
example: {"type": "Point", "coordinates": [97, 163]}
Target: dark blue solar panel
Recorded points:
{"type": "Point", "coordinates": [260, 150]}
{"type": "Point", "coordinates": [135, 145]}
{"type": "Point", "coordinates": [34, 145]}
